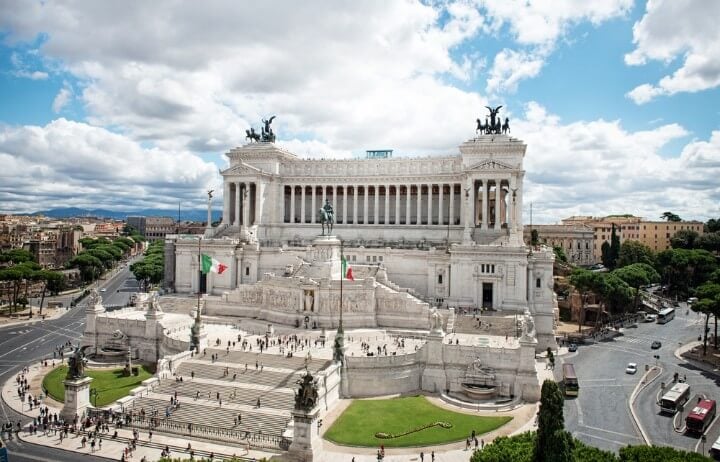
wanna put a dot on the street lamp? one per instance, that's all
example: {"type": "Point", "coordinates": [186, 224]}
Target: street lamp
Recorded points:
{"type": "Point", "coordinates": [703, 439]}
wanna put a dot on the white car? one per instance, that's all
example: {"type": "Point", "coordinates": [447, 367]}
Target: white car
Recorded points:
{"type": "Point", "coordinates": [103, 289]}
{"type": "Point", "coordinates": [631, 368]}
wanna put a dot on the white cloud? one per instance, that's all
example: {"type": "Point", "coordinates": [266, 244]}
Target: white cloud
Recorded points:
{"type": "Point", "coordinates": [678, 28]}
{"type": "Point", "coordinates": [599, 167]}
{"type": "Point", "coordinates": [510, 67]}
{"type": "Point", "coordinates": [62, 98]}
{"type": "Point", "coordinates": [68, 163]}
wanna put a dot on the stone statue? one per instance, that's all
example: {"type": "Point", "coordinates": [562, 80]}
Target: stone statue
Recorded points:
{"type": "Point", "coordinates": [506, 126]}
{"type": "Point", "coordinates": [309, 300]}
{"type": "Point", "coordinates": [435, 321]}
{"type": "Point", "coordinates": [76, 363]}
{"type": "Point", "coordinates": [267, 133]}
{"type": "Point", "coordinates": [327, 217]}
{"type": "Point", "coordinates": [528, 325]}
{"type": "Point", "coordinates": [94, 297]}
{"type": "Point", "coordinates": [306, 396]}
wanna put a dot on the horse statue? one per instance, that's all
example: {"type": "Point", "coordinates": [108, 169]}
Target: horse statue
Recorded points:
{"type": "Point", "coordinates": [252, 136]}
{"type": "Point", "coordinates": [506, 126]}
{"type": "Point", "coordinates": [327, 217]}
{"type": "Point", "coordinates": [480, 127]}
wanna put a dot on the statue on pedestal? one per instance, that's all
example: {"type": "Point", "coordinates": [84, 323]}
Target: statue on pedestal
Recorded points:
{"type": "Point", "coordinates": [306, 396]}
{"type": "Point", "coordinates": [76, 364]}
{"type": "Point", "coordinates": [327, 217]}
{"type": "Point", "coordinates": [435, 321]}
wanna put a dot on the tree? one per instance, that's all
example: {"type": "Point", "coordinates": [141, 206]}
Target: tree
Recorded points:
{"type": "Point", "coordinates": [614, 293]}
{"type": "Point", "coordinates": [614, 248]}
{"type": "Point", "coordinates": [560, 253]}
{"type": "Point", "coordinates": [712, 225]}
{"type": "Point", "coordinates": [708, 303]}
{"type": "Point", "coordinates": [683, 269]}
{"type": "Point", "coordinates": [669, 216]}
{"type": "Point", "coordinates": [605, 255]}
{"type": "Point", "coordinates": [553, 443]}
{"type": "Point", "coordinates": [16, 256]}
{"type": "Point", "coordinates": [684, 239]}
{"type": "Point", "coordinates": [636, 276]}
{"type": "Point", "coordinates": [583, 281]}
{"type": "Point", "coordinates": [635, 252]}
{"type": "Point", "coordinates": [709, 242]}
{"type": "Point", "coordinates": [534, 237]}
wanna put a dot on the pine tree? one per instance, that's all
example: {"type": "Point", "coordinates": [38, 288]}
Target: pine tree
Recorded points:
{"type": "Point", "coordinates": [553, 443]}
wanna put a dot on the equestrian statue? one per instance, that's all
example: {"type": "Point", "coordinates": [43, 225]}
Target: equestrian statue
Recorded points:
{"type": "Point", "coordinates": [494, 125]}
{"type": "Point", "coordinates": [76, 363]}
{"type": "Point", "coordinates": [306, 396]}
{"type": "Point", "coordinates": [265, 136]}
{"type": "Point", "coordinates": [327, 217]}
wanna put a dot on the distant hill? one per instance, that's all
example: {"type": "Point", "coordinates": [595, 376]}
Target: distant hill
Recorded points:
{"type": "Point", "coordinates": [68, 212]}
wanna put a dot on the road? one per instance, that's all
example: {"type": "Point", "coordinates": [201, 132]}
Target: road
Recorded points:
{"type": "Point", "coordinates": [600, 416]}
{"type": "Point", "coordinates": [35, 340]}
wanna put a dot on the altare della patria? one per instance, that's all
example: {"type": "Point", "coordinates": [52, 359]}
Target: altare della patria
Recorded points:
{"type": "Point", "coordinates": [339, 279]}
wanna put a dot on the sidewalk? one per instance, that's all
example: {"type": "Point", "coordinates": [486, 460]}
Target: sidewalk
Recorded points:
{"type": "Point", "coordinates": [22, 319]}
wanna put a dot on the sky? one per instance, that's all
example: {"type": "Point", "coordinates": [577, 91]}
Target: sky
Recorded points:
{"type": "Point", "coordinates": [128, 105]}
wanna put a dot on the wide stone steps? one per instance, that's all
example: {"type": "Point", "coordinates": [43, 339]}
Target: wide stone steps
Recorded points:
{"type": "Point", "coordinates": [217, 372]}
{"type": "Point", "coordinates": [491, 325]}
{"type": "Point", "coordinates": [186, 389]}
{"type": "Point", "coordinates": [241, 358]}
{"type": "Point", "coordinates": [253, 421]}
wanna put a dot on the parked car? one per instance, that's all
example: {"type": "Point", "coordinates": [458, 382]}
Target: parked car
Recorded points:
{"type": "Point", "coordinates": [631, 368]}
{"type": "Point", "coordinates": [650, 318]}
{"type": "Point", "coordinates": [572, 348]}
{"type": "Point", "coordinates": [655, 345]}
{"type": "Point", "coordinates": [103, 289]}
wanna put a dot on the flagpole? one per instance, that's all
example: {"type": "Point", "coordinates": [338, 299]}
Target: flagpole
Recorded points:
{"type": "Point", "coordinates": [195, 329]}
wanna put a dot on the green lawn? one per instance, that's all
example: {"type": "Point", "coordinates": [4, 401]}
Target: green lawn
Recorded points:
{"type": "Point", "coordinates": [363, 418]}
{"type": "Point", "coordinates": [109, 383]}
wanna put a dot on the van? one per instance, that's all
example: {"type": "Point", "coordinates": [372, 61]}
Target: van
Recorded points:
{"type": "Point", "coordinates": [715, 449]}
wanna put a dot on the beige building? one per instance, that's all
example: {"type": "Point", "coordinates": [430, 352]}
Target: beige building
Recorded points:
{"type": "Point", "coordinates": [654, 234]}
{"type": "Point", "coordinates": [576, 240]}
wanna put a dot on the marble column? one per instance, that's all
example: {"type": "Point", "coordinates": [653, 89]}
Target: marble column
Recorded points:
{"type": "Point", "coordinates": [237, 203]}
{"type": "Point", "coordinates": [246, 207]}
{"type": "Point", "coordinates": [313, 214]}
{"type": "Point", "coordinates": [365, 204]}
{"type": "Point", "coordinates": [419, 205]}
{"type": "Point", "coordinates": [292, 204]}
{"type": "Point", "coordinates": [397, 204]}
{"type": "Point", "coordinates": [441, 186]}
{"type": "Point", "coordinates": [451, 214]}
{"type": "Point", "coordinates": [324, 196]}
{"type": "Point", "coordinates": [259, 201]}
{"type": "Point", "coordinates": [345, 204]}
{"type": "Point", "coordinates": [387, 204]}
{"type": "Point", "coordinates": [429, 204]}
{"type": "Point", "coordinates": [407, 204]}
{"type": "Point", "coordinates": [498, 196]}
{"type": "Point", "coordinates": [376, 210]}
{"type": "Point", "coordinates": [485, 205]}
{"type": "Point", "coordinates": [302, 205]}
{"type": "Point", "coordinates": [355, 204]}
{"type": "Point", "coordinates": [226, 203]}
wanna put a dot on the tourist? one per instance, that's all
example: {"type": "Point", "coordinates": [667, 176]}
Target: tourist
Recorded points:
{"type": "Point", "coordinates": [422, 456]}
{"type": "Point", "coordinates": [432, 456]}
{"type": "Point", "coordinates": [482, 444]}
{"type": "Point", "coordinates": [467, 444]}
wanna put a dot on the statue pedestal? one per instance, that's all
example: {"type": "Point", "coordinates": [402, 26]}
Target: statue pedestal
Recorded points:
{"type": "Point", "coordinates": [324, 257]}
{"type": "Point", "coordinates": [434, 378]}
{"type": "Point", "coordinates": [306, 445]}
{"type": "Point", "coordinates": [77, 397]}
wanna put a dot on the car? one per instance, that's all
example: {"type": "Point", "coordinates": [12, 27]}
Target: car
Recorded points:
{"type": "Point", "coordinates": [650, 318]}
{"type": "Point", "coordinates": [655, 345]}
{"type": "Point", "coordinates": [103, 289]}
{"type": "Point", "coordinates": [631, 368]}
{"type": "Point", "coordinates": [572, 348]}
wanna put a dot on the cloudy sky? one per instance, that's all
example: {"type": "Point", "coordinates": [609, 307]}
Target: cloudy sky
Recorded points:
{"type": "Point", "coordinates": [132, 104]}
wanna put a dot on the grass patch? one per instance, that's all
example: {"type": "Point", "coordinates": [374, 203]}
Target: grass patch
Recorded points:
{"type": "Point", "coordinates": [360, 422]}
{"type": "Point", "coordinates": [110, 383]}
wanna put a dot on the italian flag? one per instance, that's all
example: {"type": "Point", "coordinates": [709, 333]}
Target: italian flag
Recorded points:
{"type": "Point", "coordinates": [346, 269]}
{"type": "Point", "coordinates": [210, 264]}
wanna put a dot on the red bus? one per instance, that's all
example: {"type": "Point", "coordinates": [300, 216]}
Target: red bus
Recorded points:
{"type": "Point", "coordinates": [701, 415]}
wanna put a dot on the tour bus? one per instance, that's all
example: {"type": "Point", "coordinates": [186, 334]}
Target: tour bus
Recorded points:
{"type": "Point", "coordinates": [570, 381]}
{"type": "Point", "coordinates": [701, 415]}
{"type": "Point", "coordinates": [666, 315]}
{"type": "Point", "coordinates": [673, 399]}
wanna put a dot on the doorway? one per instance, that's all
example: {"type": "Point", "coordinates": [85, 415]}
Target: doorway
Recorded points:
{"type": "Point", "coordinates": [487, 295]}
{"type": "Point", "coordinates": [203, 283]}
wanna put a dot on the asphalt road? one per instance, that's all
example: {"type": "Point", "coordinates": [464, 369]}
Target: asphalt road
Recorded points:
{"type": "Point", "coordinates": [23, 344]}
{"type": "Point", "coordinates": [600, 416]}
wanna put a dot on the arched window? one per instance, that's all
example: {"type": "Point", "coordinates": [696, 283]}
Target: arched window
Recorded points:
{"type": "Point", "coordinates": [538, 283]}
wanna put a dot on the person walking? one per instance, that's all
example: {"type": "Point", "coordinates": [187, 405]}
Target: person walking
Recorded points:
{"type": "Point", "coordinates": [422, 456]}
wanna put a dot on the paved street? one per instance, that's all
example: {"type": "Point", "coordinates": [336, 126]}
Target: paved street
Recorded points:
{"type": "Point", "coordinates": [30, 342]}
{"type": "Point", "coordinates": [601, 416]}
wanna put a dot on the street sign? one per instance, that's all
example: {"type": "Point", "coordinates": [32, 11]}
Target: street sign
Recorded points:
{"type": "Point", "coordinates": [4, 455]}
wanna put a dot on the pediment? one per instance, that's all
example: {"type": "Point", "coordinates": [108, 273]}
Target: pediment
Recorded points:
{"type": "Point", "coordinates": [491, 165]}
{"type": "Point", "coordinates": [241, 169]}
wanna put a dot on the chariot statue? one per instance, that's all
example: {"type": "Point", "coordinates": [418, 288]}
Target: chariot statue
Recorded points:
{"type": "Point", "coordinates": [306, 396]}
{"type": "Point", "coordinates": [327, 217]}
{"type": "Point", "coordinates": [493, 124]}
{"type": "Point", "coordinates": [76, 363]}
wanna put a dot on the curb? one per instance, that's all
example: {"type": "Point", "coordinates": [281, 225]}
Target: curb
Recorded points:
{"type": "Point", "coordinates": [644, 383]}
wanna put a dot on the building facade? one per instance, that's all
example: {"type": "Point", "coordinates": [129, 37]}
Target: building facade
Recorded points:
{"type": "Point", "coordinates": [153, 228]}
{"type": "Point", "coordinates": [577, 241]}
{"type": "Point", "coordinates": [448, 228]}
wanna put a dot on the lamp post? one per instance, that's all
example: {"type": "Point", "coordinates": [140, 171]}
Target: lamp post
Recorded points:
{"type": "Point", "coordinates": [703, 439]}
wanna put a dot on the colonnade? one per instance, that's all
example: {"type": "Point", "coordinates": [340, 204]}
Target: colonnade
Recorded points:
{"type": "Point", "coordinates": [242, 204]}
{"type": "Point", "coordinates": [494, 202]}
{"type": "Point", "coordinates": [405, 204]}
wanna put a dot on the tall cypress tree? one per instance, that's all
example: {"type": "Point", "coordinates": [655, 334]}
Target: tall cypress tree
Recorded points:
{"type": "Point", "coordinates": [614, 247]}
{"type": "Point", "coordinates": [553, 443]}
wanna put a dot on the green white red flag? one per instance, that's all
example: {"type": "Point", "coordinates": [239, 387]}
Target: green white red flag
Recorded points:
{"type": "Point", "coordinates": [208, 264]}
{"type": "Point", "coordinates": [346, 269]}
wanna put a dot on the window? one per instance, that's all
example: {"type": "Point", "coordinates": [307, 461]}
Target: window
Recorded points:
{"type": "Point", "coordinates": [380, 258]}
{"type": "Point", "coordinates": [538, 283]}
{"type": "Point", "coordinates": [247, 271]}
{"type": "Point", "coordinates": [439, 278]}
{"type": "Point", "coordinates": [367, 258]}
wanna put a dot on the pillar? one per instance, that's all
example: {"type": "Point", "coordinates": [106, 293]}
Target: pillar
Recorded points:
{"type": "Point", "coordinates": [387, 205]}
{"type": "Point", "coordinates": [292, 204]}
{"type": "Point", "coordinates": [237, 204]}
{"type": "Point", "coordinates": [376, 211]}
{"type": "Point", "coordinates": [440, 204]}
{"type": "Point", "coordinates": [226, 203]}
{"type": "Point", "coordinates": [485, 209]}
{"type": "Point", "coordinates": [451, 214]}
{"type": "Point", "coordinates": [355, 204]}
{"type": "Point", "coordinates": [407, 204]}
{"type": "Point", "coordinates": [365, 204]}
{"type": "Point", "coordinates": [498, 194]}
{"type": "Point", "coordinates": [246, 207]}
{"type": "Point", "coordinates": [419, 204]}
{"type": "Point", "coordinates": [313, 214]}
{"type": "Point", "coordinates": [302, 205]}
{"type": "Point", "coordinates": [429, 204]}
{"type": "Point", "coordinates": [345, 201]}
{"type": "Point", "coordinates": [259, 201]}
{"type": "Point", "coordinates": [397, 204]}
